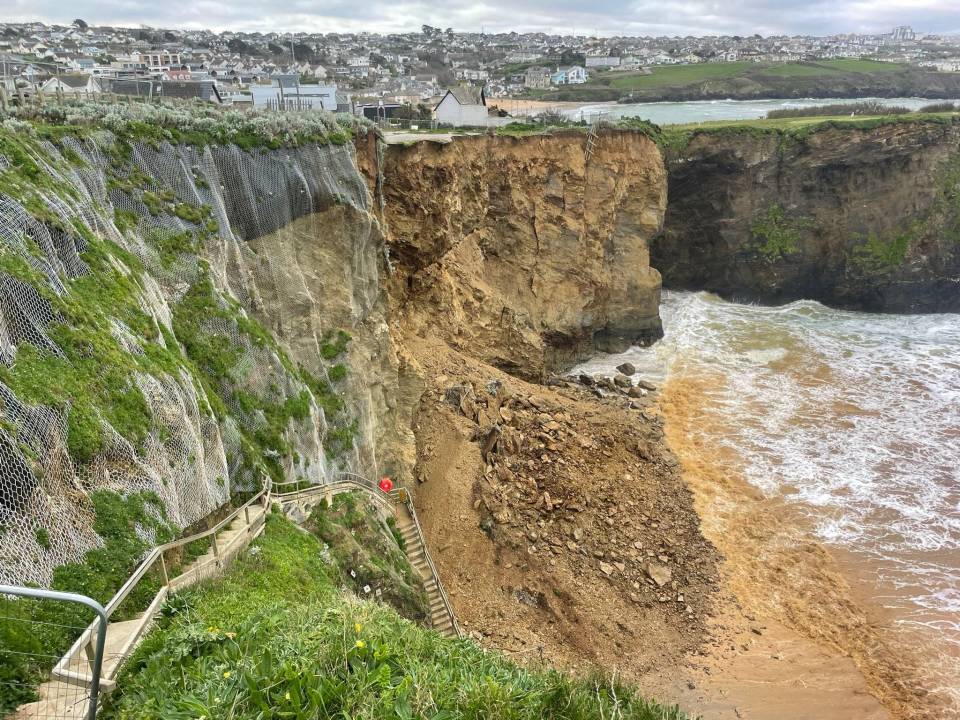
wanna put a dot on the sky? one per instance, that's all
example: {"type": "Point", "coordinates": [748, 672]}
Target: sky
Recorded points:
{"type": "Point", "coordinates": [581, 17]}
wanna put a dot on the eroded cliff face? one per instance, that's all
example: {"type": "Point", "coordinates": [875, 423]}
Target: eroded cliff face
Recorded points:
{"type": "Point", "coordinates": [860, 218]}
{"type": "Point", "coordinates": [524, 252]}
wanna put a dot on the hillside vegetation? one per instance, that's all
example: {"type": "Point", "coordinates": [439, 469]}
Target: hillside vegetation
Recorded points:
{"type": "Point", "coordinates": [138, 395]}
{"type": "Point", "coordinates": [749, 80]}
{"type": "Point", "coordinates": [276, 638]}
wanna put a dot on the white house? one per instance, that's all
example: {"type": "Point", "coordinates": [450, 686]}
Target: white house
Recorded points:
{"type": "Point", "coordinates": [571, 75]}
{"type": "Point", "coordinates": [462, 106]}
{"type": "Point", "coordinates": [71, 85]}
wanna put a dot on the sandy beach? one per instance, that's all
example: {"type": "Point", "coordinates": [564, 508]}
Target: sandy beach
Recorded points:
{"type": "Point", "coordinates": [520, 107]}
{"type": "Point", "coordinates": [792, 637]}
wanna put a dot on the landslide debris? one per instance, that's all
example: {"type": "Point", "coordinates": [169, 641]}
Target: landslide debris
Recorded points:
{"type": "Point", "coordinates": [558, 519]}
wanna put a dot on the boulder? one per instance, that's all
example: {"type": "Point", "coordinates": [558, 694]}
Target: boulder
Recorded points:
{"type": "Point", "coordinates": [660, 574]}
{"type": "Point", "coordinates": [627, 368]}
{"type": "Point", "coordinates": [622, 381]}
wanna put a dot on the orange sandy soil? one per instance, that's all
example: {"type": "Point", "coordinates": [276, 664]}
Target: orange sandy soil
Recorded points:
{"type": "Point", "coordinates": [548, 534]}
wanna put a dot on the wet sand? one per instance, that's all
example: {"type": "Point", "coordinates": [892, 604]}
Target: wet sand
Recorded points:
{"type": "Point", "coordinates": [794, 639]}
{"type": "Point", "coordinates": [519, 107]}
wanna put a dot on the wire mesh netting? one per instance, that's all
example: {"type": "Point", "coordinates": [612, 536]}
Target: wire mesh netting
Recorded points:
{"type": "Point", "coordinates": [180, 213]}
{"type": "Point", "coordinates": [30, 630]}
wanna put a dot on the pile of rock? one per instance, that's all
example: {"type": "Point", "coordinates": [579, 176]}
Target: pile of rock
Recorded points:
{"type": "Point", "coordinates": [623, 385]}
{"type": "Point", "coordinates": [560, 492]}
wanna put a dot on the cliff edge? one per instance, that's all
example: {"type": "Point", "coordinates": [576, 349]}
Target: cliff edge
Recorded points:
{"type": "Point", "coordinates": [861, 215]}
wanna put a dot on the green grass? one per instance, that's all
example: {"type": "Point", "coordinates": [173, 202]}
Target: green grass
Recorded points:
{"type": "Point", "coordinates": [676, 137]}
{"type": "Point", "coordinates": [823, 68]}
{"type": "Point", "coordinates": [366, 555]}
{"type": "Point", "coordinates": [29, 649]}
{"type": "Point", "coordinates": [667, 75]}
{"type": "Point", "coordinates": [750, 80]}
{"type": "Point", "coordinates": [275, 639]}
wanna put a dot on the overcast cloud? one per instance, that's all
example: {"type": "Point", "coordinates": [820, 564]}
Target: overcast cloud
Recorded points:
{"type": "Point", "coordinates": [606, 17]}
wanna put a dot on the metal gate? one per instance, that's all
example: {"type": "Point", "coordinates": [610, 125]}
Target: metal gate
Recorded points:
{"type": "Point", "coordinates": [34, 625]}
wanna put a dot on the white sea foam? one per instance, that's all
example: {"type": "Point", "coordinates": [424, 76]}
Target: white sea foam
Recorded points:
{"type": "Point", "coordinates": [859, 414]}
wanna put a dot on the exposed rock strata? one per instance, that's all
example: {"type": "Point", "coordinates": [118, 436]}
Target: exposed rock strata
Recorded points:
{"type": "Point", "coordinates": [522, 251]}
{"type": "Point", "coordinates": [859, 218]}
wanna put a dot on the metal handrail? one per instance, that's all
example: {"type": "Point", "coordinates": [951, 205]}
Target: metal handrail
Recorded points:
{"type": "Point", "coordinates": [448, 606]}
{"type": "Point", "coordinates": [101, 621]}
{"type": "Point", "coordinates": [60, 669]}
{"type": "Point", "coordinates": [350, 479]}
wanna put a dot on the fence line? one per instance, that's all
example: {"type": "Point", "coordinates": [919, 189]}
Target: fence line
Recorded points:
{"type": "Point", "coordinates": [55, 700]}
{"type": "Point", "coordinates": [81, 675]}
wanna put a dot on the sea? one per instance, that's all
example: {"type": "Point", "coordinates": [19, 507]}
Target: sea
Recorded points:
{"type": "Point", "coordinates": [674, 113]}
{"type": "Point", "coordinates": [853, 419]}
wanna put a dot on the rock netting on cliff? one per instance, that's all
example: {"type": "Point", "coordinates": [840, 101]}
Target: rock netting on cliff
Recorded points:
{"type": "Point", "coordinates": [131, 285]}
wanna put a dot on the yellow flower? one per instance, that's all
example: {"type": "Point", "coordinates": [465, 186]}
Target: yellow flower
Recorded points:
{"type": "Point", "coordinates": [231, 635]}
{"type": "Point", "coordinates": [226, 673]}
{"type": "Point", "coordinates": [287, 696]}
{"type": "Point", "coordinates": [358, 627]}
{"type": "Point", "coordinates": [360, 644]}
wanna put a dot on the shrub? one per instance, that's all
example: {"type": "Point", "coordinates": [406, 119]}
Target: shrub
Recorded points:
{"type": "Point", "coordinates": [860, 108]}
{"type": "Point", "coordinates": [939, 108]}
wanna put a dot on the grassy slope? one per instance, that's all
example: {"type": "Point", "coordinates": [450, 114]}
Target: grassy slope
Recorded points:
{"type": "Point", "coordinates": [677, 136]}
{"type": "Point", "coordinates": [275, 638]}
{"type": "Point", "coordinates": [748, 79]}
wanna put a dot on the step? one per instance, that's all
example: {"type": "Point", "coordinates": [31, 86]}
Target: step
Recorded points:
{"type": "Point", "coordinates": [118, 633]}
{"type": "Point", "coordinates": [445, 628]}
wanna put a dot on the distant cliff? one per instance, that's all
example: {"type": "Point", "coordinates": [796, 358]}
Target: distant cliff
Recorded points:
{"type": "Point", "coordinates": [863, 216]}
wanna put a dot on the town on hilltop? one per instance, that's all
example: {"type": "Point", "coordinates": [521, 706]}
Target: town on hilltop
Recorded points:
{"type": "Point", "coordinates": [437, 75]}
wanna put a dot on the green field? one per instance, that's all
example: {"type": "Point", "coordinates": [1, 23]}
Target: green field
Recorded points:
{"type": "Point", "coordinates": [831, 67]}
{"type": "Point", "coordinates": [749, 81]}
{"type": "Point", "coordinates": [664, 75]}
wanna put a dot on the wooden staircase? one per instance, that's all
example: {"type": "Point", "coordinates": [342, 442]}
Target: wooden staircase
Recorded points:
{"type": "Point", "coordinates": [398, 503]}
{"type": "Point", "coordinates": [441, 617]}
{"type": "Point", "coordinates": [66, 694]}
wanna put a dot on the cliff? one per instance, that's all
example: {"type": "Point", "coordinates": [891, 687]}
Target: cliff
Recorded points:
{"type": "Point", "coordinates": [190, 304]}
{"type": "Point", "coordinates": [220, 304]}
{"type": "Point", "coordinates": [527, 253]}
{"type": "Point", "coordinates": [858, 215]}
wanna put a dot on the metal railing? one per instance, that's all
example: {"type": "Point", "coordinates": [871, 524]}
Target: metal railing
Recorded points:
{"type": "Point", "coordinates": [346, 481]}
{"type": "Point", "coordinates": [22, 627]}
{"type": "Point", "coordinates": [82, 674]}
{"type": "Point", "coordinates": [66, 669]}
{"type": "Point", "coordinates": [447, 605]}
